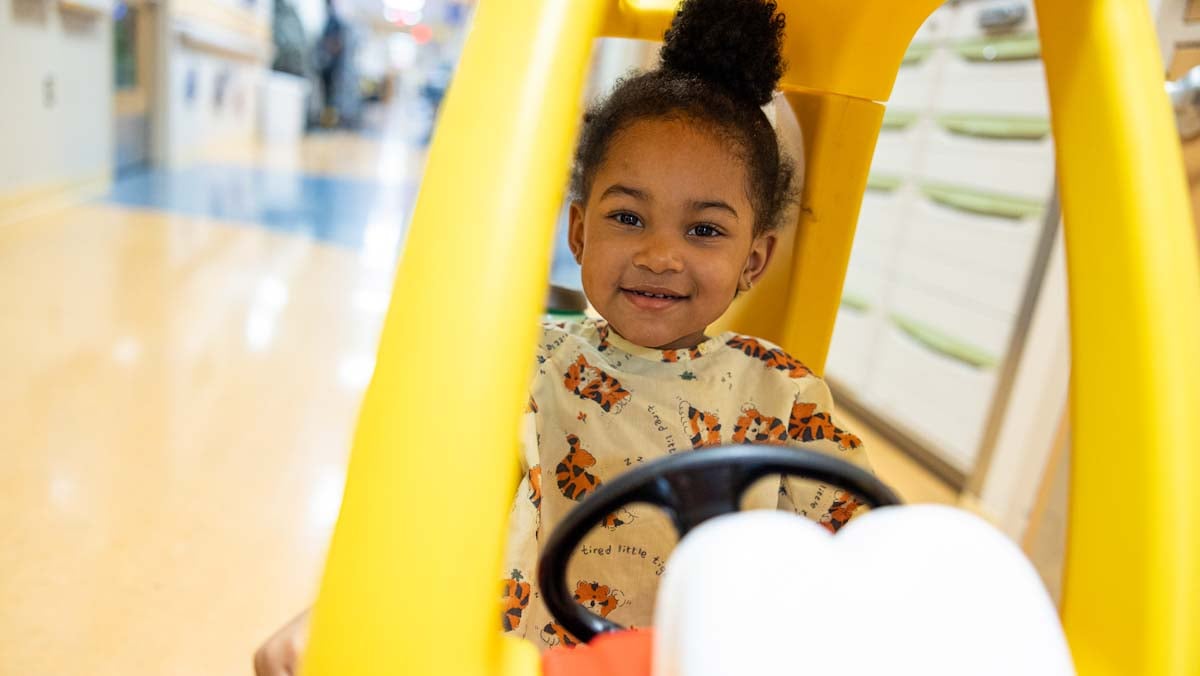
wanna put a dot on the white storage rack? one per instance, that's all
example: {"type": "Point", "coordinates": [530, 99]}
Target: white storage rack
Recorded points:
{"type": "Point", "coordinates": [954, 232]}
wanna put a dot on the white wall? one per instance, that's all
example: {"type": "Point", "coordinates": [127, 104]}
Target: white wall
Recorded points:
{"type": "Point", "coordinates": [56, 73]}
{"type": "Point", "coordinates": [207, 45]}
{"type": "Point", "coordinates": [196, 122]}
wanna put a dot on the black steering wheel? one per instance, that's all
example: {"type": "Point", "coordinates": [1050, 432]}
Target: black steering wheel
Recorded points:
{"type": "Point", "coordinates": [691, 488]}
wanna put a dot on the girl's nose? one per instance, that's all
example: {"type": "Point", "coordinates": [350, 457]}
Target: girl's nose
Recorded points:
{"type": "Point", "coordinates": [658, 254]}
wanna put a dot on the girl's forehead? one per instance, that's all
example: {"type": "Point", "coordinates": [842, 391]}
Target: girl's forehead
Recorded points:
{"type": "Point", "coordinates": [667, 153]}
{"type": "Point", "coordinates": [674, 134]}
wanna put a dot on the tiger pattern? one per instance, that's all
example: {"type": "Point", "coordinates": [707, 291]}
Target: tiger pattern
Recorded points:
{"type": "Point", "coordinates": [808, 424]}
{"type": "Point", "coordinates": [754, 427]}
{"type": "Point", "coordinates": [553, 634]}
{"type": "Point", "coordinates": [535, 486]}
{"type": "Point", "coordinates": [597, 598]}
{"type": "Point", "coordinates": [703, 428]}
{"type": "Point", "coordinates": [618, 518]}
{"type": "Point", "coordinates": [673, 356]}
{"type": "Point", "coordinates": [774, 357]}
{"type": "Point", "coordinates": [593, 384]}
{"type": "Point", "coordinates": [575, 482]}
{"type": "Point", "coordinates": [842, 510]}
{"type": "Point", "coordinates": [602, 336]}
{"type": "Point", "coordinates": [515, 599]}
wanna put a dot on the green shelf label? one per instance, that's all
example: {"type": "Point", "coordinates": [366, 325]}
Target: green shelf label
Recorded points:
{"type": "Point", "coordinates": [945, 344]}
{"type": "Point", "coordinates": [883, 182]}
{"type": "Point", "coordinates": [916, 53]}
{"type": "Point", "coordinates": [1017, 48]}
{"type": "Point", "coordinates": [983, 202]}
{"type": "Point", "coordinates": [898, 120]}
{"type": "Point", "coordinates": [856, 303]}
{"type": "Point", "coordinates": [1007, 127]}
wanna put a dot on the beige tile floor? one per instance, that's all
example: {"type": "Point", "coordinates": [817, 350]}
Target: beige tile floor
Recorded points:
{"type": "Point", "coordinates": [912, 483]}
{"type": "Point", "coordinates": [175, 410]}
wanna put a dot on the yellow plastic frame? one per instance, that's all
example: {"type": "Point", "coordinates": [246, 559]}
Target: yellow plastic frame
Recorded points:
{"type": "Point", "coordinates": [410, 584]}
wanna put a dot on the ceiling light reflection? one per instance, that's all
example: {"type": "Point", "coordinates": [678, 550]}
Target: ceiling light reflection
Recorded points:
{"type": "Point", "coordinates": [325, 501]}
{"type": "Point", "coordinates": [372, 300]}
{"type": "Point", "coordinates": [262, 321]}
{"type": "Point", "coordinates": [381, 243]}
{"type": "Point", "coordinates": [127, 351]}
{"type": "Point", "coordinates": [355, 371]}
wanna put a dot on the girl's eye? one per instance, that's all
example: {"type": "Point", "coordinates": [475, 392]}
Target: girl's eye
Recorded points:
{"type": "Point", "coordinates": [704, 230]}
{"type": "Point", "coordinates": [625, 218]}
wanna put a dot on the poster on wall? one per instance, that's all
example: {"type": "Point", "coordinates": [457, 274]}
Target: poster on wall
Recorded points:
{"type": "Point", "coordinates": [189, 86]}
{"type": "Point", "coordinates": [220, 87]}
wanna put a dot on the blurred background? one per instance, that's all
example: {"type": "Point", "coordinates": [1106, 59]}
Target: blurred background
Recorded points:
{"type": "Point", "coordinates": [202, 203]}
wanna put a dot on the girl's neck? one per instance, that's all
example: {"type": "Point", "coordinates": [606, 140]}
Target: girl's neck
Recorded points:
{"type": "Point", "coordinates": [683, 343]}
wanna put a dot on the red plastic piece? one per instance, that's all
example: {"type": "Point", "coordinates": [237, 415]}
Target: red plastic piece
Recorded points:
{"type": "Point", "coordinates": [626, 653]}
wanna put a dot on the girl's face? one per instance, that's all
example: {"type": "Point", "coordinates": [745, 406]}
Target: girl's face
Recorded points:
{"type": "Point", "coordinates": [666, 237]}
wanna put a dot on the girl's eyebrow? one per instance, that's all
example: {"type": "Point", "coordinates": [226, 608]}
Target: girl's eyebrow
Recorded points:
{"type": "Point", "coordinates": [618, 189]}
{"type": "Point", "coordinates": [643, 196]}
{"type": "Point", "coordinates": [701, 205]}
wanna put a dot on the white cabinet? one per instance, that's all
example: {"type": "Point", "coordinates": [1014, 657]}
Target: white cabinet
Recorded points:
{"type": "Point", "coordinates": [1006, 167]}
{"type": "Point", "coordinates": [939, 399]}
{"type": "Point", "coordinates": [961, 182]}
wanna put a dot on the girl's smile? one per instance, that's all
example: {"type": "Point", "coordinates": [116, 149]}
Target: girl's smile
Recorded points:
{"type": "Point", "coordinates": [649, 297]}
{"type": "Point", "coordinates": [666, 238]}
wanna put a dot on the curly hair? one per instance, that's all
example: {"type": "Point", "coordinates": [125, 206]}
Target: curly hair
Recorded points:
{"type": "Point", "coordinates": [720, 64]}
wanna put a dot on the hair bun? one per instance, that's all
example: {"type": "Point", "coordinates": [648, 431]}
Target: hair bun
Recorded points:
{"type": "Point", "coordinates": [734, 44]}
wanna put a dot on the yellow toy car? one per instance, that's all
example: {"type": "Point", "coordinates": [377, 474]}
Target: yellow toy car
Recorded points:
{"type": "Point", "coordinates": [1132, 599]}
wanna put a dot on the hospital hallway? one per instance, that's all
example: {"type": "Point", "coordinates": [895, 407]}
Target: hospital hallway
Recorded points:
{"type": "Point", "coordinates": [183, 360]}
{"type": "Point", "coordinates": [203, 205]}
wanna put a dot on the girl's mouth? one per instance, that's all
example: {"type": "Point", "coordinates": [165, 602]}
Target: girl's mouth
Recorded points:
{"type": "Point", "coordinates": [652, 299]}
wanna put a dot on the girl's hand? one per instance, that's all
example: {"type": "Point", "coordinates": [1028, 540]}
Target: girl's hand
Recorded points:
{"type": "Point", "coordinates": [280, 655]}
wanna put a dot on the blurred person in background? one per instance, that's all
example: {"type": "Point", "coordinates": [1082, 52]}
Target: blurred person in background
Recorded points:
{"type": "Point", "coordinates": [335, 64]}
{"type": "Point", "coordinates": [287, 32]}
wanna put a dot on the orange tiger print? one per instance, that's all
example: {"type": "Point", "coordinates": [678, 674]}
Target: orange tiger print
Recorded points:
{"type": "Point", "coordinates": [575, 482]}
{"type": "Point", "coordinates": [704, 427]}
{"type": "Point", "coordinates": [842, 510]}
{"type": "Point", "coordinates": [618, 518]}
{"type": "Point", "coordinates": [672, 356]}
{"type": "Point", "coordinates": [755, 428]}
{"type": "Point", "coordinates": [515, 598]}
{"type": "Point", "coordinates": [597, 598]}
{"type": "Point", "coordinates": [590, 383]}
{"type": "Point", "coordinates": [782, 361]}
{"type": "Point", "coordinates": [535, 486]}
{"type": "Point", "coordinates": [774, 357]}
{"type": "Point", "coordinates": [809, 424]}
{"type": "Point", "coordinates": [553, 634]}
{"type": "Point", "coordinates": [602, 334]}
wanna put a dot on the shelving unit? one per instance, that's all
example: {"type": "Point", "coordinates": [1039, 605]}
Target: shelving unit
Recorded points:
{"type": "Point", "coordinates": [957, 209]}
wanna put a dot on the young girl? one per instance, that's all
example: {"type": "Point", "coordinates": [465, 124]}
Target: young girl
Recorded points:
{"type": "Point", "coordinates": [678, 188]}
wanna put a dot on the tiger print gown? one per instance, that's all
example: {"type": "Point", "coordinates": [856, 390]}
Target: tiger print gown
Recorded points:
{"type": "Point", "coordinates": [600, 405]}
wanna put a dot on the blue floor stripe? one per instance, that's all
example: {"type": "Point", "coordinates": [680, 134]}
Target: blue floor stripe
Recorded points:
{"type": "Point", "coordinates": [334, 210]}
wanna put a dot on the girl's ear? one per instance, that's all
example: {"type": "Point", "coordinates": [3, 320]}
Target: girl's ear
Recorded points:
{"type": "Point", "coordinates": [761, 251]}
{"type": "Point", "coordinates": [575, 231]}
